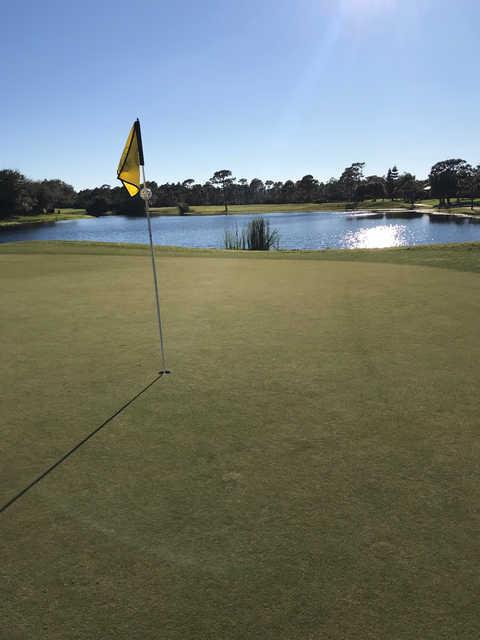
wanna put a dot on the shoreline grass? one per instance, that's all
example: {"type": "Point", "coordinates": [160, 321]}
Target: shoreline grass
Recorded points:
{"type": "Point", "coordinates": [427, 206]}
{"type": "Point", "coordinates": [43, 218]}
{"type": "Point", "coordinates": [233, 209]}
{"type": "Point", "coordinates": [463, 256]}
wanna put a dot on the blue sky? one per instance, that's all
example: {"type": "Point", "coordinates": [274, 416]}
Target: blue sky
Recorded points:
{"type": "Point", "coordinates": [267, 88]}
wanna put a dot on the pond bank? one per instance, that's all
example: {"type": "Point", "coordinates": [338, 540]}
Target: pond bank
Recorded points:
{"type": "Point", "coordinates": [372, 212]}
{"type": "Point", "coordinates": [17, 222]}
{"type": "Point", "coordinates": [195, 211]}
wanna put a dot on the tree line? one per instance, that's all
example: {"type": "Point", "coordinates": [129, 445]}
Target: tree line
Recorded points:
{"type": "Point", "coordinates": [448, 179]}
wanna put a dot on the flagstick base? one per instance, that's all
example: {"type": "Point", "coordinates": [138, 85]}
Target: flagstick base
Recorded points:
{"type": "Point", "coordinates": [164, 372]}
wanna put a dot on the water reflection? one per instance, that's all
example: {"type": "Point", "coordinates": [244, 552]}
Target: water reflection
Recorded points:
{"type": "Point", "coordinates": [376, 237]}
{"type": "Point", "coordinates": [298, 230]}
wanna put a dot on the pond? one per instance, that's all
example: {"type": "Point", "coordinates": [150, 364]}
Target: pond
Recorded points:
{"type": "Point", "coordinates": [315, 230]}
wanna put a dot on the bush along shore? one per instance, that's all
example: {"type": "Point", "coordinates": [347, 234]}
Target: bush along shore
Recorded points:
{"type": "Point", "coordinates": [454, 184]}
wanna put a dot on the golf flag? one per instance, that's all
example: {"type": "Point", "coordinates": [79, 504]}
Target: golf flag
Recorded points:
{"type": "Point", "coordinates": [133, 177]}
{"type": "Point", "coordinates": [132, 157]}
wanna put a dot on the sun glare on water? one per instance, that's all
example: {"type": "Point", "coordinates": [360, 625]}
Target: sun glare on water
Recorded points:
{"type": "Point", "coordinates": [376, 237]}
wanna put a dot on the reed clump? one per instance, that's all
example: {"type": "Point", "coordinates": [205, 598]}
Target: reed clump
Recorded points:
{"type": "Point", "coordinates": [256, 236]}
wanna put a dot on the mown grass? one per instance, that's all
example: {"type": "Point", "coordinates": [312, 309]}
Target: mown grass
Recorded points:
{"type": "Point", "coordinates": [208, 210]}
{"type": "Point", "coordinates": [272, 208]}
{"type": "Point", "coordinates": [44, 218]}
{"type": "Point", "coordinates": [461, 256]}
{"type": "Point", "coordinates": [309, 469]}
{"type": "Point", "coordinates": [464, 209]}
{"type": "Point", "coordinates": [367, 205]}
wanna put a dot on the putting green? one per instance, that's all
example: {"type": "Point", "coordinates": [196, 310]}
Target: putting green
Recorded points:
{"type": "Point", "coordinates": [309, 470]}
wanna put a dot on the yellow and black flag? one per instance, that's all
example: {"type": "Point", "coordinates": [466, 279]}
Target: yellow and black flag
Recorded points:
{"type": "Point", "coordinates": [132, 158]}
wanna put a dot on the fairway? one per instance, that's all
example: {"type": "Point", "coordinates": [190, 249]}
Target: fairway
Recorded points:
{"type": "Point", "coordinates": [308, 471]}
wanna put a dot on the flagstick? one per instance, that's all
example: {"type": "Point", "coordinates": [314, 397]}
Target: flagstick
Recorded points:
{"type": "Point", "coordinates": [154, 269]}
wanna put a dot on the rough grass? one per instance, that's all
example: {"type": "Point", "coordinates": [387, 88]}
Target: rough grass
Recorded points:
{"type": "Point", "coordinates": [208, 210]}
{"type": "Point", "coordinates": [44, 218]}
{"type": "Point", "coordinates": [309, 470]}
{"type": "Point", "coordinates": [271, 208]}
{"type": "Point", "coordinates": [461, 256]}
{"type": "Point", "coordinates": [367, 205]}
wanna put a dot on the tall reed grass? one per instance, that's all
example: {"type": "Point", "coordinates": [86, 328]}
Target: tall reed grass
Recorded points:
{"type": "Point", "coordinates": [256, 236]}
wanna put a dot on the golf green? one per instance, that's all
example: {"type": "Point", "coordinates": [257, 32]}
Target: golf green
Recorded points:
{"type": "Point", "coordinates": [309, 469]}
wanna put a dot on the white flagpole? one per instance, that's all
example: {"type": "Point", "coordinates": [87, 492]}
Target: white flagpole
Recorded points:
{"type": "Point", "coordinates": [145, 194]}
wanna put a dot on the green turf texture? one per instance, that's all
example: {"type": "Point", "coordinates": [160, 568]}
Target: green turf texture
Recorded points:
{"type": "Point", "coordinates": [308, 471]}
